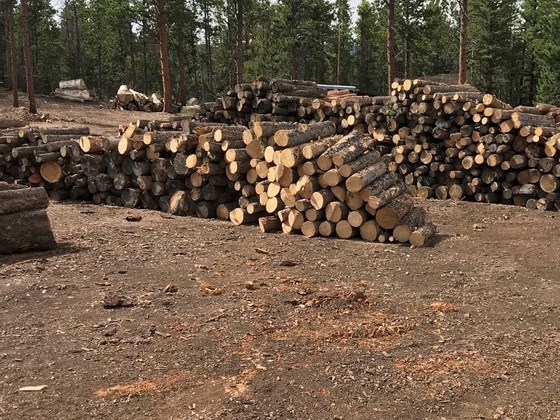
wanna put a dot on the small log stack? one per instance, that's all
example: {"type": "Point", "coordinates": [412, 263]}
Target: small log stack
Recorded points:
{"type": "Point", "coordinates": [24, 220]}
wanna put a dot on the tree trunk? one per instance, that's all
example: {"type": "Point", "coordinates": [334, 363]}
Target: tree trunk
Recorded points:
{"type": "Point", "coordinates": [164, 56]}
{"type": "Point", "coordinates": [11, 51]}
{"type": "Point", "coordinates": [463, 35]}
{"type": "Point", "coordinates": [390, 42]}
{"type": "Point", "coordinates": [27, 56]}
{"type": "Point", "coordinates": [182, 74]}
{"type": "Point", "coordinates": [7, 56]}
{"type": "Point", "coordinates": [78, 41]}
{"type": "Point", "coordinates": [239, 47]}
{"type": "Point", "coordinates": [208, 46]}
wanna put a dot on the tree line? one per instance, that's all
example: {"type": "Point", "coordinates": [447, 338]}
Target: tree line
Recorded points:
{"type": "Point", "coordinates": [201, 48]}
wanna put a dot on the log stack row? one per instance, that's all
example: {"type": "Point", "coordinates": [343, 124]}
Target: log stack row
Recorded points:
{"type": "Point", "coordinates": [454, 142]}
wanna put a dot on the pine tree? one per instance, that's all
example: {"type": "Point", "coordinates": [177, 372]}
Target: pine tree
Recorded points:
{"type": "Point", "coordinates": [343, 44]}
{"type": "Point", "coordinates": [371, 48]}
{"type": "Point", "coordinates": [493, 36]}
{"type": "Point", "coordinates": [541, 34]}
{"type": "Point", "coordinates": [27, 56]}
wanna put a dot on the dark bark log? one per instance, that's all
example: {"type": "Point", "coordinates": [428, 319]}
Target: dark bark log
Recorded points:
{"type": "Point", "coordinates": [26, 231]}
{"type": "Point", "coordinates": [22, 200]}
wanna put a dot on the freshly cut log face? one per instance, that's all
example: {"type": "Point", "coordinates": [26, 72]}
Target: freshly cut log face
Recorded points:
{"type": "Point", "coordinates": [51, 172]}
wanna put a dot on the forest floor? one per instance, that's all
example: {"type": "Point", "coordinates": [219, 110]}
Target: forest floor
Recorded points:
{"type": "Point", "coordinates": [184, 318]}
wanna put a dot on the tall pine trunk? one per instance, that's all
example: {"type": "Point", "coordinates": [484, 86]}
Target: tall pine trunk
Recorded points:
{"type": "Point", "coordinates": [11, 69]}
{"type": "Point", "coordinates": [239, 46]}
{"type": "Point", "coordinates": [7, 57]}
{"type": "Point", "coordinates": [390, 43]}
{"type": "Point", "coordinates": [78, 41]}
{"type": "Point", "coordinates": [164, 56]}
{"type": "Point", "coordinates": [208, 47]}
{"type": "Point", "coordinates": [27, 56]}
{"type": "Point", "coordinates": [182, 74]}
{"type": "Point", "coordinates": [463, 41]}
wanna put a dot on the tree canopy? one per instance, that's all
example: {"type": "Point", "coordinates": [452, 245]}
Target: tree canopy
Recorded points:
{"type": "Point", "coordinates": [513, 46]}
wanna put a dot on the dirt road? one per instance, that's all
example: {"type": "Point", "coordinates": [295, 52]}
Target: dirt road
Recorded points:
{"type": "Point", "coordinates": [225, 322]}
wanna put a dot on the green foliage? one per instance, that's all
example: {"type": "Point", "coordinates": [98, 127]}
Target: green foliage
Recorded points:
{"type": "Point", "coordinates": [542, 35]}
{"type": "Point", "coordinates": [494, 45]}
{"type": "Point", "coordinates": [371, 54]}
{"type": "Point", "coordinates": [112, 42]}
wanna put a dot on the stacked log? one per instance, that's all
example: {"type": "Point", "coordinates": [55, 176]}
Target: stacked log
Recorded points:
{"type": "Point", "coordinates": [24, 220]}
{"type": "Point", "coordinates": [454, 142]}
{"type": "Point", "coordinates": [310, 180]}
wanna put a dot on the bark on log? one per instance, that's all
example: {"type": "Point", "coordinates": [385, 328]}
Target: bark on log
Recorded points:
{"type": "Point", "coordinates": [26, 231]}
{"type": "Point", "coordinates": [304, 134]}
{"type": "Point", "coordinates": [422, 235]}
{"type": "Point", "coordinates": [23, 200]}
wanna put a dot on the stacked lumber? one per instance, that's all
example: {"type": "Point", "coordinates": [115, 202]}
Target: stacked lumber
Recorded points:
{"type": "Point", "coordinates": [24, 220]}
{"type": "Point", "coordinates": [74, 90]}
{"type": "Point", "coordinates": [455, 142]}
{"type": "Point", "coordinates": [41, 157]}
{"type": "Point", "coordinates": [308, 179]}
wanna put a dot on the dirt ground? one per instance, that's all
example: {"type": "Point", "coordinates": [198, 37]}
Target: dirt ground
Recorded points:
{"type": "Point", "coordinates": [183, 318]}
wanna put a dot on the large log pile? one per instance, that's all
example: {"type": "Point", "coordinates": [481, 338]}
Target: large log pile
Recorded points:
{"type": "Point", "coordinates": [305, 160]}
{"type": "Point", "coordinates": [24, 220]}
{"type": "Point", "coordinates": [307, 179]}
{"type": "Point", "coordinates": [454, 142]}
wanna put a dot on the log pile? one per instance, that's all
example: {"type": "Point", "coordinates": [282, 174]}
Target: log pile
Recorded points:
{"type": "Point", "coordinates": [454, 142]}
{"type": "Point", "coordinates": [24, 220]}
{"type": "Point", "coordinates": [307, 179]}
